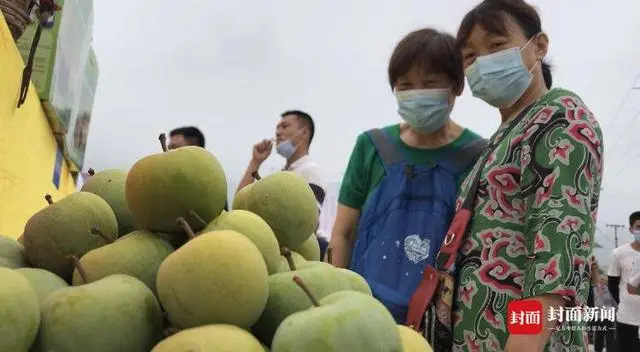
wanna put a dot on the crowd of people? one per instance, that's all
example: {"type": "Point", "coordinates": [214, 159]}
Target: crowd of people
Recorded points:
{"type": "Point", "coordinates": [438, 219]}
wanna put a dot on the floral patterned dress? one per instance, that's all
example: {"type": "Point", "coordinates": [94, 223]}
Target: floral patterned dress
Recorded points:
{"type": "Point", "coordinates": [533, 224]}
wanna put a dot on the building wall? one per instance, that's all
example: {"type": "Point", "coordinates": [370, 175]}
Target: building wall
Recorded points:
{"type": "Point", "coordinates": [28, 148]}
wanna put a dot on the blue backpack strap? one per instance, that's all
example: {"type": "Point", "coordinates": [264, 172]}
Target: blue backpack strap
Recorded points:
{"type": "Point", "coordinates": [468, 154]}
{"type": "Point", "coordinates": [387, 149]}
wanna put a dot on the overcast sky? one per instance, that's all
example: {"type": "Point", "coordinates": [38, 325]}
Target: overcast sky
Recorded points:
{"type": "Point", "coordinates": [230, 68]}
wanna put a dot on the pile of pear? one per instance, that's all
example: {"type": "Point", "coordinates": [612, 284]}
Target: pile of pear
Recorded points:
{"type": "Point", "coordinates": [148, 260]}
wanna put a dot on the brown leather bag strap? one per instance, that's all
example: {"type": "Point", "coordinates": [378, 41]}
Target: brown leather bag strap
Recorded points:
{"type": "Point", "coordinates": [455, 235]}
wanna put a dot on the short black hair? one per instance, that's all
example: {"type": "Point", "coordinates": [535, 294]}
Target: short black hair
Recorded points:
{"type": "Point", "coordinates": [491, 16]}
{"type": "Point", "coordinates": [190, 132]}
{"type": "Point", "coordinates": [427, 49]}
{"type": "Point", "coordinates": [304, 119]}
{"type": "Point", "coordinates": [635, 216]}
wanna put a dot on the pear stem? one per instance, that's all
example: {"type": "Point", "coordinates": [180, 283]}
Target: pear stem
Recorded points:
{"type": "Point", "coordinates": [186, 228]}
{"type": "Point", "coordinates": [163, 141]}
{"type": "Point", "coordinates": [286, 252]}
{"type": "Point", "coordinates": [96, 231]}
{"type": "Point", "coordinates": [91, 172]}
{"type": "Point", "coordinates": [305, 288]}
{"type": "Point", "coordinates": [76, 263]}
{"type": "Point", "coordinates": [49, 199]}
{"type": "Point", "coordinates": [197, 217]}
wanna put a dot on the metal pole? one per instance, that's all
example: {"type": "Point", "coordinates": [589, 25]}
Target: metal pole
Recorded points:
{"type": "Point", "coordinates": [615, 232]}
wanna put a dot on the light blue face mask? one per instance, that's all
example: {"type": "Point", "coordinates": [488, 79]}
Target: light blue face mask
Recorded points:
{"type": "Point", "coordinates": [286, 149]}
{"type": "Point", "coordinates": [501, 78]}
{"type": "Point", "coordinates": [425, 110]}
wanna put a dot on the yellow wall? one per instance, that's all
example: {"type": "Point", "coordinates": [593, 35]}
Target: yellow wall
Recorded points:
{"type": "Point", "coordinates": [27, 146]}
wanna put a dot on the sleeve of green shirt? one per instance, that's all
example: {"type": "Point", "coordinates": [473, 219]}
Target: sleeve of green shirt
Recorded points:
{"type": "Point", "coordinates": [353, 191]}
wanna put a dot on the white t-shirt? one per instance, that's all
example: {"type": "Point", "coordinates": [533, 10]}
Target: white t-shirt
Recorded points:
{"type": "Point", "coordinates": [311, 172]}
{"type": "Point", "coordinates": [624, 260]}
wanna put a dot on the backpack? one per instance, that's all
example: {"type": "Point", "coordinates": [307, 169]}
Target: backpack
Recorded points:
{"type": "Point", "coordinates": [405, 219]}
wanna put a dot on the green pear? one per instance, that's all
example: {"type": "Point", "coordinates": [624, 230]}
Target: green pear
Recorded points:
{"type": "Point", "coordinates": [109, 185]}
{"type": "Point", "coordinates": [412, 341]}
{"type": "Point", "coordinates": [138, 254]}
{"type": "Point", "coordinates": [255, 229]}
{"type": "Point", "coordinates": [290, 261]}
{"type": "Point", "coordinates": [286, 202]}
{"type": "Point", "coordinates": [342, 321]}
{"type": "Point", "coordinates": [286, 298]}
{"type": "Point", "coordinates": [309, 249]}
{"type": "Point", "coordinates": [218, 337]}
{"type": "Point", "coordinates": [357, 282]}
{"type": "Point", "coordinates": [117, 313]}
{"type": "Point", "coordinates": [217, 277]}
{"type": "Point", "coordinates": [44, 282]}
{"type": "Point", "coordinates": [164, 186]}
{"type": "Point", "coordinates": [19, 312]}
{"type": "Point", "coordinates": [73, 226]}
{"type": "Point", "coordinates": [240, 199]}
{"type": "Point", "coordinates": [12, 253]}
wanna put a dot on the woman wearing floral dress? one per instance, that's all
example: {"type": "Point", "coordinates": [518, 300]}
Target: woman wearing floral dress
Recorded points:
{"type": "Point", "coordinates": [531, 234]}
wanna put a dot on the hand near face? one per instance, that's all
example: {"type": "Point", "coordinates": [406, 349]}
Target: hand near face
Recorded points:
{"type": "Point", "coordinates": [262, 150]}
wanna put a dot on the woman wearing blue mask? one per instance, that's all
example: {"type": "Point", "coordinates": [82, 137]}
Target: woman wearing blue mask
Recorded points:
{"type": "Point", "coordinates": [536, 199]}
{"type": "Point", "coordinates": [399, 189]}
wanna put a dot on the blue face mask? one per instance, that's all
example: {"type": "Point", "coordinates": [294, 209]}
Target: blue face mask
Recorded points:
{"type": "Point", "coordinates": [425, 110]}
{"type": "Point", "coordinates": [501, 78]}
{"type": "Point", "coordinates": [286, 149]}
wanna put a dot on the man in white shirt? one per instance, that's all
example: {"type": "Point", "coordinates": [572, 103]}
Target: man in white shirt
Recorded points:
{"type": "Point", "coordinates": [625, 258]}
{"type": "Point", "coordinates": [294, 134]}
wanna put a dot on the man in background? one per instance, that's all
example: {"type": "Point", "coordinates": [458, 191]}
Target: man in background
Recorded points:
{"type": "Point", "coordinates": [188, 136]}
{"type": "Point", "coordinates": [294, 134]}
{"type": "Point", "coordinates": [628, 314]}
{"type": "Point", "coordinates": [603, 330]}
{"type": "Point", "coordinates": [328, 212]}
{"type": "Point", "coordinates": [184, 136]}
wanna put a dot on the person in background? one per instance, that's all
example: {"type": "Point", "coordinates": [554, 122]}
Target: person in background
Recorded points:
{"type": "Point", "coordinates": [625, 258]}
{"type": "Point", "coordinates": [184, 136]}
{"type": "Point", "coordinates": [188, 136]}
{"type": "Point", "coordinates": [294, 134]}
{"type": "Point", "coordinates": [398, 192]}
{"type": "Point", "coordinates": [328, 212]}
{"type": "Point", "coordinates": [531, 234]}
{"type": "Point", "coordinates": [605, 329]}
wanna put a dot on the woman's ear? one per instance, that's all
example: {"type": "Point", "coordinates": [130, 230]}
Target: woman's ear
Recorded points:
{"type": "Point", "coordinates": [542, 46]}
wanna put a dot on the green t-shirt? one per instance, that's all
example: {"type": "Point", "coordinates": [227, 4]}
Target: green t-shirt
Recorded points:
{"type": "Point", "coordinates": [365, 169]}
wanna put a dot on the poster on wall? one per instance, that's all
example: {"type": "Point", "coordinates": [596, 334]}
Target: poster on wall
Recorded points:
{"type": "Point", "coordinates": [76, 137]}
{"type": "Point", "coordinates": [59, 59]}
